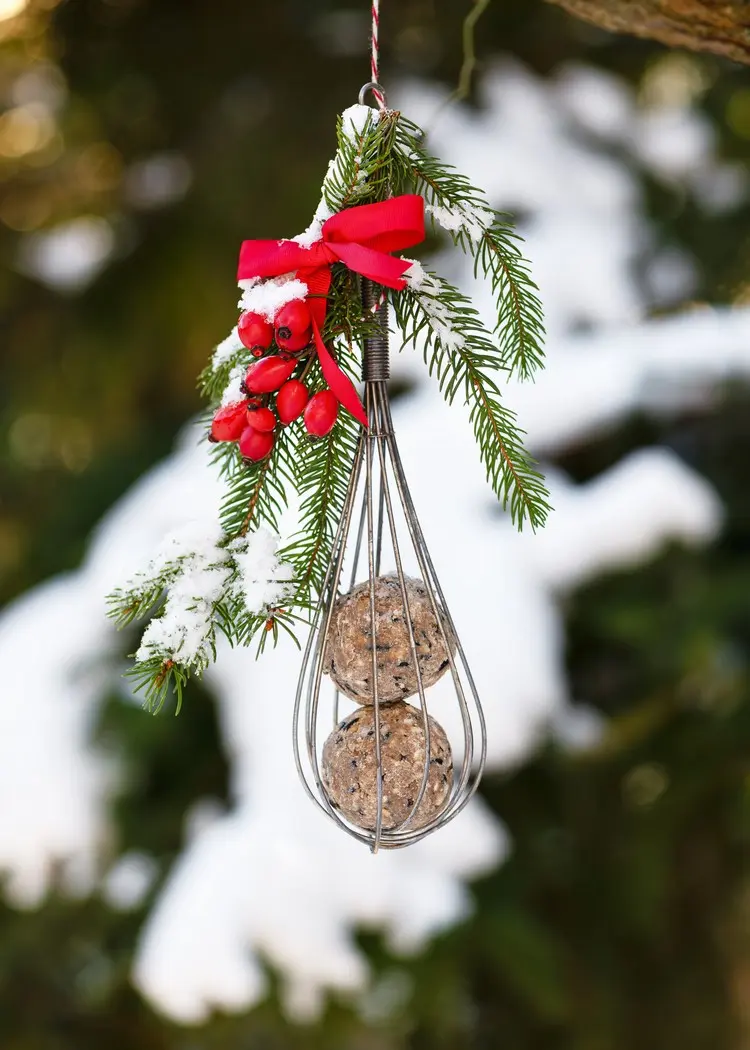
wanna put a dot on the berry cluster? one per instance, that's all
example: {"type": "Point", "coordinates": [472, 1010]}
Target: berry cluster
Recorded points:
{"type": "Point", "coordinates": [273, 397]}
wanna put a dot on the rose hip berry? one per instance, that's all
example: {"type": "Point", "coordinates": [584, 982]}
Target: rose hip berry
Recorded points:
{"type": "Point", "coordinates": [255, 444]}
{"type": "Point", "coordinates": [255, 332]}
{"type": "Point", "coordinates": [229, 422]}
{"type": "Point", "coordinates": [267, 375]}
{"type": "Point", "coordinates": [293, 326]}
{"type": "Point", "coordinates": [261, 419]}
{"type": "Point", "coordinates": [321, 413]}
{"type": "Point", "coordinates": [291, 400]}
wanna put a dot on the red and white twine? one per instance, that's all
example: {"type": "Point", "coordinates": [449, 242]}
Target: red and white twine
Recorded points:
{"type": "Point", "coordinates": [375, 44]}
{"type": "Point", "coordinates": [375, 52]}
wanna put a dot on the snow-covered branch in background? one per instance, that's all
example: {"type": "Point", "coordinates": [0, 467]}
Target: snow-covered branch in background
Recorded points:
{"type": "Point", "coordinates": [270, 878]}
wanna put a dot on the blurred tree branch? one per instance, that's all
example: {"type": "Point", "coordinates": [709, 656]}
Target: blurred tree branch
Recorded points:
{"type": "Point", "coordinates": [470, 57]}
{"type": "Point", "coordinates": [700, 25]}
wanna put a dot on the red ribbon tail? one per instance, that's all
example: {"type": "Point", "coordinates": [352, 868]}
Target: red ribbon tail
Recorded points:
{"type": "Point", "coordinates": [341, 385]}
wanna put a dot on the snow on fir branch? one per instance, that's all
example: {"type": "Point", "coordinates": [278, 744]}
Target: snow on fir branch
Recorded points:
{"type": "Point", "coordinates": [184, 631]}
{"type": "Point", "coordinates": [196, 542]}
{"type": "Point", "coordinates": [263, 581]}
{"type": "Point", "coordinates": [462, 218]}
{"type": "Point", "coordinates": [233, 390]}
{"type": "Point", "coordinates": [226, 350]}
{"type": "Point", "coordinates": [229, 356]}
{"type": "Point", "coordinates": [202, 586]}
{"type": "Point", "coordinates": [489, 237]}
{"type": "Point", "coordinates": [439, 316]}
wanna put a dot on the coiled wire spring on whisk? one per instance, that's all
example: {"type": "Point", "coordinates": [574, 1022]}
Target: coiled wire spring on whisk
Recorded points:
{"type": "Point", "coordinates": [378, 507]}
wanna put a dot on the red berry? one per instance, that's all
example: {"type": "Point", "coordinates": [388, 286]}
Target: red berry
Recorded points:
{"type": "Point", "coordinates": [291, 400]}
{"type": "Point", "coordinates": [268, 375]}
{"type": "Point", "coordinates": [255, 332]}
{"type": "Point", "coordinates": [255, 444]}
{"type": "Point", "coordinates": [261, 419]}
{"type": "Point", "coordinates": [321, 412]}
{"type": "Point", "coordinates": [229, 421]}
{"type": "Point", "coordinates": [295, 315]}
{"type": "Point", "coordinates": [292, 344]}
{"type": "Point", "coordinates": [293, 326]}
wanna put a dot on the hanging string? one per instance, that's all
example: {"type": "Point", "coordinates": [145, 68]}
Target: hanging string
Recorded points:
{"type": "Point", "coordinates": [375, 52]}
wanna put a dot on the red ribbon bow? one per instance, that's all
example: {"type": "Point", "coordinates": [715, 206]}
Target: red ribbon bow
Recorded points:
{"type": "Point", "coordinates": [361, 237]}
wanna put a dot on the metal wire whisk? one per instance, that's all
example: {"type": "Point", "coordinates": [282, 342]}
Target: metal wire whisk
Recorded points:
{"type": "Point", "coordinates": [377, 508]}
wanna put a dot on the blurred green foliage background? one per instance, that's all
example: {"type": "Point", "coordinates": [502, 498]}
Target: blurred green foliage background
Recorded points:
{"type": "Point", "coordinates": [622, 919]}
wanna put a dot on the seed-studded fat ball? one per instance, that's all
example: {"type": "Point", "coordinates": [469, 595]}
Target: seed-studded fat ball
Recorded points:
{"type": "Point", "coordinates": [349, 767]}
{"type": "Point", "coordinates": [348, 657]}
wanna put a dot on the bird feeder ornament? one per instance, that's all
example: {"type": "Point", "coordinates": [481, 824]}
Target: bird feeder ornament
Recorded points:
{"type": "Point", "coordinates": [295, 439]}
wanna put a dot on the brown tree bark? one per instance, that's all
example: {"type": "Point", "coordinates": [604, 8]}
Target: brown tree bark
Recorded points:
{"type": "Point", "coordinates": [720, 26]}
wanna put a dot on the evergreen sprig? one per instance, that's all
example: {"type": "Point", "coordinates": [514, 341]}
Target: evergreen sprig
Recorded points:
{"type": "Point", "coordinates": [156, 679]}
{"type": "Point", "coordinates": [322, 475]}
{"type": "Point", "coordinates": [378, 157]}
{"type": "Point", "coordinates": [155, 670]}
{"type": "Point", "coordinates": [461, 355]}
{"type": "Point", "coordinates": [214, 379]}
{"type": "Point", "coordinates": [362, 170]}
{"type": "Point", "coordinates": [257, 493]}
{"type": "Point", "coordinates": [490, 238]}
{"type": "Point", "coordinates": [125, 605]}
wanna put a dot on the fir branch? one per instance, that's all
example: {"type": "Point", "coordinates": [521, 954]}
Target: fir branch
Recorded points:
{"type": "Point", "coordinates": [145, 590]}
{"type": "Point", "coordinates": [322, 471]}
{"type": "Point", "coordinates": [461, 355]}
{"type": "Point", "coordinates": [323, 477]}
{"type": "Point", "coordinates": [490, 238]}
{"type": "Point", "coordinates": [257, 493]}
{"type": "Point", "coordinates": [156, 678]}
{"type": "Point", "coordinates": [280, 620]}
{"type": "Point", "coordinates": [227, 356]}
{"type": "Point", "coordinates": [181, 640]}
{"type": "Point", "coordinates": [230, 587]}
{"type": "Point", "coordinates": [361, 171]}
{"type": "Point", "coordinates": [520, 317]}
{"type": "Point", "coordinates": [124, 605]}
{"type": "Point", "coordinates": [257, 488]}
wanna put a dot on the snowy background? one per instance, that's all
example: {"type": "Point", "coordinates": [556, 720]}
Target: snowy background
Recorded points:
{"type": "Point", "coordinates": [260, 878]}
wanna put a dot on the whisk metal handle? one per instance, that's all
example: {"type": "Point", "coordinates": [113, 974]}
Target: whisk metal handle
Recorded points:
{"type": "Point", "coordinates": [376, 367]}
